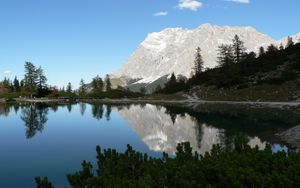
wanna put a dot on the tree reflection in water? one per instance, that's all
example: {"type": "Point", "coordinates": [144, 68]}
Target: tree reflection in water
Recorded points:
{"type": "Point", "coordinates": [4, 110]}
{"type": "Point", "coordinates": [108, 112]}
{"type": "Point", "coordinates": [35, 117]}
{"type": "Point", "coordinates": [82, 107]}
{"type": "Point", "coordinates": [97, 111]}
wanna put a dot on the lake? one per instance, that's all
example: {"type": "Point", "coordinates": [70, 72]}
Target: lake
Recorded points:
{"type": "Point", "coordinates": [53, 139]}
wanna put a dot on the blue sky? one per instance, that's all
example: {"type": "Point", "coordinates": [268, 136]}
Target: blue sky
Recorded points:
{"type": "Point", "coordinates": [74, 39]}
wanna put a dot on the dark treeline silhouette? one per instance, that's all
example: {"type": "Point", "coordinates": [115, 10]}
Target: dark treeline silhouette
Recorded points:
{"type": "Point", "coordinates": [34, 84]}
{"type": "Point", "coordinates": [239, 69]}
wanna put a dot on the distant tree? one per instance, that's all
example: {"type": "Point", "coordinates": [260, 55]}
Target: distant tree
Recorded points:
{"type": "Point", "coordinates": [107, 83]}
{"type": "Point", "coordinates": [41, 79]}
{"type": "Point", "coordinates": [281, 47]}
{"type": "Point", "coordinates": [225, 55]}
{"type": "Point", "coordinates": [97, 84]}
{"type": "Point", "coordinates": [82, 87]}
{"type": "Point", "coordinates": [17, 87]}
{"type": "Point", "coordinates": [158, 89]}
{"type": "Point", "coordinates": [172, 80]}
{"type": "Point", "coordinates": [261, 51]}
{"type": "Point", "coordinates": [198, 62]}
{"type": "Point", "coordinates": [271, 49]}
{"type": "Point", "coordinates": [69, 88]}
{"type": "Point", "coordinates": [170, 85]}
{"type": "Point", "coordinates": [4, 86]}
{"type": "Point", "coordinates": [30, 78]}
{"type": "Point", "coordinates": [143, 90]}
{"type": "Point", "coordinates": [63, 89]}
{"type": "Point", "coordinates": [22, 84]}
{"type": "Point", "coordinates": [290, 42]}
{"type": "Point", "coordinates": [239, 49]}
{"type": "Point", "coordinates": [251, 56]}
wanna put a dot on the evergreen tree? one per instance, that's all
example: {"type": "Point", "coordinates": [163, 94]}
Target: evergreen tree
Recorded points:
{"type": "Point", "coordinates": [261, 51]}
{"type": "Point", "coordinates": [41, 79]}
{"type": "Point", "coordinates": [198, 63]}
{"type": "Point", "coordinates": [271, 49]}
{"type": "Point", "coordinates": [171, 85]}
{"type": "Point", "coordinates": [225, 57]}
{"type": "Point", "coordinates": [107, 83]}
{"type": "Point", "coordinates": [31, 78]}
{"type": "Point", "coordinates": [97, 84]}
{"type": "Point", "coordinates": [82, 88]}
{"type": "Point", "coordinates": [69, 88]}
{"type": "Point", "coordinates": [17, 87]}
{"type": "Point", "coordinates": [6, 83]}
{"type": "Point", "coordinates": [22, 84]}
{"type": "Point", "coordinates": [172, 80]}
{"type": "Point", "coordinates": [281, 47]}
{"type": "Point", "coordinates": [290, 42]}
{"type": "Point", "coordinates": [239, 49]}
{"type": "Point", "coordinates": [143, 90]}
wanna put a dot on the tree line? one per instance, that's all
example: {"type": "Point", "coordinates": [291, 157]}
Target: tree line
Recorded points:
{"type": "Point", "coordinates": [34, 84]}
{"type": "Point", "coordinates": [235, 66]}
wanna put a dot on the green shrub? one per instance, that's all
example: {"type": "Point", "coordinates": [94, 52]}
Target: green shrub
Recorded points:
{"type": "Point", "coordinates": [240, 166]}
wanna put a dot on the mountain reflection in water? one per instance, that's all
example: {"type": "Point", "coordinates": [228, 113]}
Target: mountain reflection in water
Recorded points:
{"type": "Point", "coordinates": [162, 131]}
{"type": "Point", "coordinates": [161, 128]}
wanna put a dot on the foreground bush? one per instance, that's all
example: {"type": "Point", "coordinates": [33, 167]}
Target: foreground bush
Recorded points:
{"type": "Point", "coordinates": [239, 167]}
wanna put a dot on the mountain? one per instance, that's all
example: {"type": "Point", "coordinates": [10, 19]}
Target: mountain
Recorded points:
{"type": "Point", "coordinates": [173, 50]}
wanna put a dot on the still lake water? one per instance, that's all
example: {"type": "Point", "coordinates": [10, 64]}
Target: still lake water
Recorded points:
{"type": "Point", "coordinates": [52, 140]}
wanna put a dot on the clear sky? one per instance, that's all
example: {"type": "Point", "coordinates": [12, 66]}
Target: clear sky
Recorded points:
{"type": "Point", "coordinates": [74, 39]}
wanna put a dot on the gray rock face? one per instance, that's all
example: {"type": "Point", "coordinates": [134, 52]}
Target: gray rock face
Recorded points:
{"type": "Point", "coordinates": [292, 137]}
{"type": "Point", "coordinates": [173, 50]}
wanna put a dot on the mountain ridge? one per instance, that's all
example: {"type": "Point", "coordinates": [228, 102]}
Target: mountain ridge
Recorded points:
{"type": "Point", "coordinates": [172, 50]}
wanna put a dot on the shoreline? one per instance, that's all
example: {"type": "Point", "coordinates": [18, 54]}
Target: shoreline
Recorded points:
{"type": "Point", "coordinates": [166, 101]}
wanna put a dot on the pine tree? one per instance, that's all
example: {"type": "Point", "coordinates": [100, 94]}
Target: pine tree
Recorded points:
{"type": "Point", "coordinates": [198, 63]}
{"type": "Point", "coordinates": [30, 78]}
{"type": "Point", "coordinates": [82, 88]}
{"type": "Point", "coordinates": [97, 84]}
{"type": "Point", "coordinates": [225, 55]}
{"type": "Point", "coordinates": [17, 87]}
{"type": "Point", "coordinates": [262, 51]}
{"type": "Point", "coordinates": [239, 49]}
{"type": "Point", "coordinates": [290, 42]}
{"type": "Point", "coordinates": [271, 49]}
{"type": "Point", "coordinates": [69, 88]}
{"type": "Point", "coordinates": [107, 83]}
{"type": "Point", "coordinates": [143, 90]}
{"type": "Point", "coordinates": [41, 79]}
{"type": "Point", "coordinates": [172, 80]}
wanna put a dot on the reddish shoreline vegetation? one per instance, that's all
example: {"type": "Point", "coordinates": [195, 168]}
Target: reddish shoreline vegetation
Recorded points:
{"type": "Point", "coordinates": [235, 166]}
